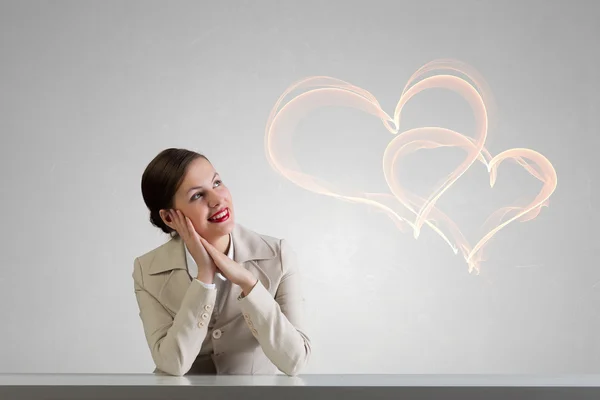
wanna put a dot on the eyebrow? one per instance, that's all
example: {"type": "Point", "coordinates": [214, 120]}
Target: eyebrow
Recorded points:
{"type": "Point", "coordinates": [200, 187]}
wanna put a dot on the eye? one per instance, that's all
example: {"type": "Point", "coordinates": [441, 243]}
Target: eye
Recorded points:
{"type": "Point", "coordinates": [196, 196]}
{"type": "Point", "coordinates": [219, 182]}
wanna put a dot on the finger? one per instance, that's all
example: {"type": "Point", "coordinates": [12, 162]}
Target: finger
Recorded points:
{"type": "Point", "coordinates": [209, 247]}
{"type": "Point", "coordinates": [215, 254]}
{"type": "Point", "coordinates": [175, 219]}
{"type": "Point", "coordinates": [181, 223]}
{"type": "Point", "coordinates": [171, 218]}
{"type": "Point", "coordinates": [189, 225]}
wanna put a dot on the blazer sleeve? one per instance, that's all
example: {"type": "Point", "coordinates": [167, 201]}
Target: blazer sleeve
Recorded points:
{"type": "Point", "coordinates": [174, 342]}
{"type": "Point", "coordinates": [277, 323]}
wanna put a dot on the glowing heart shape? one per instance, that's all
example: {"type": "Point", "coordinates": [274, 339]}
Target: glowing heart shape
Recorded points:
{"type": "Point", "coordinates": [406, 208]}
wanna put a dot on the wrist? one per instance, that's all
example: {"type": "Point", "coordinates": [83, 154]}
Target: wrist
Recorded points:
{"type": "Point", "coordinates": [248, 284]}
{"type": "Point", "coordinates": [206, 278]}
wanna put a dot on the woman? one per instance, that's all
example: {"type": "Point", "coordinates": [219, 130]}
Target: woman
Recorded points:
{"type": "Point", "coordinates": [217, 298]}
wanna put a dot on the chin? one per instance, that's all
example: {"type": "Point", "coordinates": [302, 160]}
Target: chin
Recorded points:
{"type": "Point", "coordinates": [222, 229]}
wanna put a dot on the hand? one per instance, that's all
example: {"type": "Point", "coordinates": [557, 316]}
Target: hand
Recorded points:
{"type": "Point", "coordinates": [184, 227]}
{"type": "Point", "coordinates": [232, 270]}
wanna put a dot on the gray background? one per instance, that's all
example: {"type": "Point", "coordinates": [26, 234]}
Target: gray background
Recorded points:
{"type": "Point", "coordinates": [91, 91]}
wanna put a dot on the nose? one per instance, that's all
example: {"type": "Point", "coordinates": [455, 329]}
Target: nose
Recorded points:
{"type": "Point", "coordinates": [214, 199]}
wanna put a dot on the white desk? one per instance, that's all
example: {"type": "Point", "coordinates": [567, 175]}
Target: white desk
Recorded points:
{"type": "Point", "coordinates": [150, 386]}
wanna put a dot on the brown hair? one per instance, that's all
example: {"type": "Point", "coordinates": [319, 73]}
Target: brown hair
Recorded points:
{"type": "Point", "coordinates": [161, 179]}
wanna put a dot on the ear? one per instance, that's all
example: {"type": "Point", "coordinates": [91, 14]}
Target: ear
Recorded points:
{"type": "Point", "coordinates": [164, 215]}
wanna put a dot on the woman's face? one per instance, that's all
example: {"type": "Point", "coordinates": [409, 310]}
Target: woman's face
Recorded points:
{"type": "Point", "coordinates": [205, 200]}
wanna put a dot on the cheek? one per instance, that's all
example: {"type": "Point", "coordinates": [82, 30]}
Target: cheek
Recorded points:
{"type": "Point", "coordinates": [194, 212]}
{"type": "Point", "coordinates": [227, 195]}
{"type": "Point", "coordinates": [199, 215]}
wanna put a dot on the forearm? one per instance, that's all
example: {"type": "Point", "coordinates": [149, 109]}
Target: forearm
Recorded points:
{"type": "Point", "coordinates": [282, 342]}
{"type": "Point", "coordinates": [175, 350]}
{"type": "Point", "coordinates": [248, 284]}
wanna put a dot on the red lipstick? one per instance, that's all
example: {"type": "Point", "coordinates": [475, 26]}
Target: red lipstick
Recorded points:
{"type": "Point", "coordinates": [223, 215]}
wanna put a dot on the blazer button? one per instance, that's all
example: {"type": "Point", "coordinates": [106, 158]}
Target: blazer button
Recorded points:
{"type": "Point", "coordinates": [217, 333]}
{"type": "Point", "coordinates": [200, 324]}
{"type": "Point", "coordinates": [204, 316]}
{"type": "Point", "coordinates": [207, 307]}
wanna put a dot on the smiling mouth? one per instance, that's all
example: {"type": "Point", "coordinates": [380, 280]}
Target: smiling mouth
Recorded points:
{"type": "Point", "coordinates": [220, 216]}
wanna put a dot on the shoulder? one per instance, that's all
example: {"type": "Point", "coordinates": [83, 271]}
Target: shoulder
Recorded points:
{"type": "Point", "coordinates": [280, 246]}
{"type": "Point", "coordinates": [271, 241]}
{"type": "Point", "coordinates": [284, 253]}
{"type": "Point", "coordinates": [144, 262]}
{"type": "Point", "coordinates": [273, 251]}
{"type": "Point", "coordinates": [255, 245]}
{"type": "Point", "coordinates": [149, 255]}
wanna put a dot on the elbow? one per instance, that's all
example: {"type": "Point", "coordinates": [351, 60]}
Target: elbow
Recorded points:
{"type": "Point", "coordinates": [295, 367]}
{"type": "Point", "coordinates": [175, 372]}
{"type": "Point", "coordinates": [173, 369]}
{"type": "Point", "coordinates": [179, 372]}
{"type": "Point", "coordinates": [294, 371]}
{"type": "Point", "coordinates": [171, 364]}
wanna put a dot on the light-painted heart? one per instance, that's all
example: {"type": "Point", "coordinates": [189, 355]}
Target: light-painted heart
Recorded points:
{"type": "Point", "coordinates": [405, 208]}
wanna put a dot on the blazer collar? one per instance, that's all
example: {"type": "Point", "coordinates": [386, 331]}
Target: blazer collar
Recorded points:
{"type": "Point", "coordinates": [247, 245]}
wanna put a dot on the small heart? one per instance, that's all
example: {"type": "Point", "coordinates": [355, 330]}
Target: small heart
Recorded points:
{"type": "Point", "coordinates": [429, 138]}
{"type": "Point", "coordinates": [406, 209]}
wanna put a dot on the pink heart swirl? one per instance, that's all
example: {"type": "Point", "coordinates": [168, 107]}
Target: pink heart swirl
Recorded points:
{"type": "Point", "coordinates": [404, 207]}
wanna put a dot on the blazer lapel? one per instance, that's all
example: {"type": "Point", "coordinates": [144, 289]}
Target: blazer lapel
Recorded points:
{"type": "Point", "coordinates": [250, 246]}
{"type": "Point", "coordinates": [170, 264]}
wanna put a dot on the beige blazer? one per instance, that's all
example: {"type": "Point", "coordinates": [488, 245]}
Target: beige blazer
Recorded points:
{"type": "Point", "coordinates": [256, 334]}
